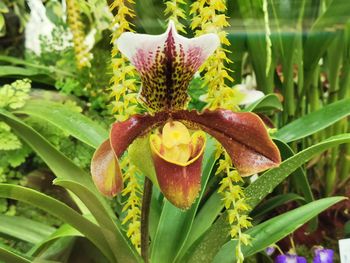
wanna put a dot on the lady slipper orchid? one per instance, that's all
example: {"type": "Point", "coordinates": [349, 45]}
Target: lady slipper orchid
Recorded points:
{"type": "Point", "coordinates": [166, 63]}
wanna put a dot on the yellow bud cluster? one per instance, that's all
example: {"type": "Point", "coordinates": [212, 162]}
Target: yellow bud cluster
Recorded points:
{"type": "Point", "coordinates": [82, 54]}
{"type": "Point", "coordinates": [225, 98]}
{"type": "Point", "coordinates": [209, 16]}
{"type": "Point", "coordinates": [124, 90]}
{"type": "Point", "coordinates": [234, 201]}
{"type": "Point", "coordinates": [120, 21]}
{"type": "Point", "coordinates": [175, 12]}
{"type": "Point", "coordinates": [133, 203]}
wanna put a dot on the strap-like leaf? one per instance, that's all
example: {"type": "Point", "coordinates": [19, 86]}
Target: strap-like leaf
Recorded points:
{"type": "Point", "coordinates": [73, 123]}
{"type": "Point", "coordinates": [273, 230]}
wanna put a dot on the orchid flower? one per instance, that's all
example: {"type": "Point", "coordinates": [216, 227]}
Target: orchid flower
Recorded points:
{"type": "Point", "coordinates": [166, 64]}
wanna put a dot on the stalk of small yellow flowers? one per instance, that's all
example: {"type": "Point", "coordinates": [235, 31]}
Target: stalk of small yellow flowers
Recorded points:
{"type": "Point", "coordinates": [123, 81]}
{"type": "Point", "coordinates": [234, 201]}
{"type": "Point", "coordinates": [175, 12]}
{"type": "Point", "coordinates": [82, 54]}
{"type": "Point", "coordinates": [124, 91]}
{"type": "Point", "coordinates": [132, 206]}
{"type": "Point", "coordinates": [209, 16]}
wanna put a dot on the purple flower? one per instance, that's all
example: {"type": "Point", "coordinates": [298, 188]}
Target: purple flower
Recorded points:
{"type": "Point", "coordinates": [290, 258]}
{"type": "Point", "coordinates": [270, 250]}
{"type": "Point", "coordinates": [323, 255]}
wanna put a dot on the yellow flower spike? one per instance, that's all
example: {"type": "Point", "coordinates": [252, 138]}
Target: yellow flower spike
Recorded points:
{"type": "Point", "coordinates": [124, 90]}
{"type": "Point", "coordinates": [82, 54]}
{"type": "Point", "coordinates": [234, 202]}
{"type": "Point", "coordinates": [175, 11]}
{"type": "Point", "coordinates": [245, 239]}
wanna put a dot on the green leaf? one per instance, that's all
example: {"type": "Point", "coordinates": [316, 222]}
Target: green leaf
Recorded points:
{"type": "Point", "coordinates": [298, 177]}
{"type": "Point", "coordinates": [176, 223]}
{"type": "Point", "coordinates": [71, 122]}
{"type": "Point", "coordinates": [3, 7]}
{"type": "Point", "coordinates": [210, 243]}
{"type": "Point", "coordinates": [10, 257]}
{"type": "Point", "coordinates": [323, 32]}
{"type": "Point", "coordinates": [253, 19]}
{"type": "Point", "coordinates": [11, 71]}
{"type": "Point", "coordinates": [112, 229]}
{"type": "Point", "coordinates": [60, 210]}
{"type": "Point", "coordinates": [270, 179]}
{"type": "Point", "coordinates": [64, 231]}
{"type": "Point", "coordinates": [50, 72]}
{"type": "Point", "coordinates": [24, 229]}
{"type": "Point", "coordinates": [79, 182]}
{"type": "Point", "coordinates": [288, 44]}
{"type": "Point", "coordinates": [273, 203]}
{"type": "Point", "coordinates": [206, 217]}
{"type": "Point", "coordinates": [273, 230]}
{"type": "Point", "coordinates": [267, 103]}
{"type": "Point", "coordinates": [2, 25]}
{"type": "Point", "coordinates": [315, 121]}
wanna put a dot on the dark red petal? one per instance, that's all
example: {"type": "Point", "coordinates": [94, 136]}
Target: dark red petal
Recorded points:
{"type": "Point", "coordinates": [243, 135]}
{"type": "Point", "coordinates": [179, 184]}
{"type": "Point", "coordinates": [105, 170]}
{"type": "Point", "coordinates": [124, 133]}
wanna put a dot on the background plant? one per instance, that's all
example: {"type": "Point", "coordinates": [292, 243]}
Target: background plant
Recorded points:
{"type": "Point", "coordinates": [297, 51]}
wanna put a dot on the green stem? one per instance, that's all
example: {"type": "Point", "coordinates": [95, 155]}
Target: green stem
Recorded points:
{"type": "Point", "coordinates": [146, 202]}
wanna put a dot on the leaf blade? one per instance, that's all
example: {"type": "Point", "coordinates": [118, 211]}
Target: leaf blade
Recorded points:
{"type": "Point", "coordinates": [314, 121]}
{"type": "Point", "coordinates": [273, 230]}
{"type": "Point", "coordinates": [74, 123]}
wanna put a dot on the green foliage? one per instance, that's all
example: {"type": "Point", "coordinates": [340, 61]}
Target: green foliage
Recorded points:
{"type": "Point", "coordinates": [8, 141]}
{"type": "Point", "coordinates": [3, 10]}
{"type": "Point", "coordinates": [12, 152]}
{"type": "Point", "coordinates": [274, 229]}
{"type": "Point", "coordinates": [14, 95]}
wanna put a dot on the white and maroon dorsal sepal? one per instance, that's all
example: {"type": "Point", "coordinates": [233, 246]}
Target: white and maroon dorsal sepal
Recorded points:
{"type": "Point", "coordinates": [166, 64]}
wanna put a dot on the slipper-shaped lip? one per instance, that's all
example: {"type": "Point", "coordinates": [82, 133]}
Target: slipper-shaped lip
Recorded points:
{"type": "Point", "coordinates": [197, 154]}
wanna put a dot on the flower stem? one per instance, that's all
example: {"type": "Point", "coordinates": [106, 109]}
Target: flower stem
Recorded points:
{"type": "Point", "coordinates": [146, 202]}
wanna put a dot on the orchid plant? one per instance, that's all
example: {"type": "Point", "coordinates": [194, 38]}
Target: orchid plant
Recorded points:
{"type": "Point", "coordinates": [166, 63]}
{"type": "Point", "coordinates": [177, 137]}
{"type": "Point", "coordinates": [196, 205]}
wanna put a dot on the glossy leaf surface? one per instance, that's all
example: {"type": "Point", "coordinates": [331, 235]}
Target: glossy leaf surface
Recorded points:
{"type": "Point", "coordinates": [273, 230]}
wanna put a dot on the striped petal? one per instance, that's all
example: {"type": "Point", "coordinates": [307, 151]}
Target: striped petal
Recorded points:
{"type": "Point", "coordinates": [166, 64]}
{"type": "Point", "coordinates": [105, 171]}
